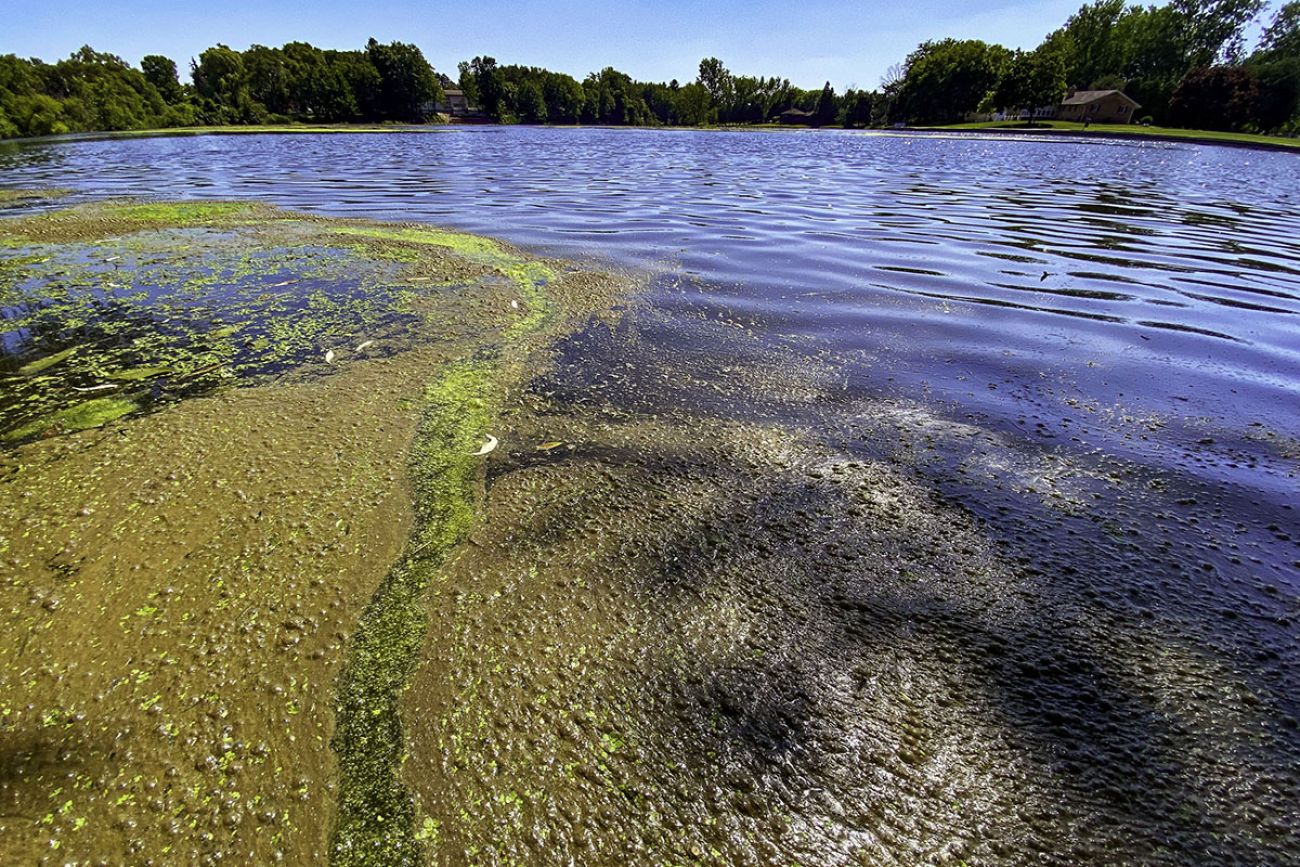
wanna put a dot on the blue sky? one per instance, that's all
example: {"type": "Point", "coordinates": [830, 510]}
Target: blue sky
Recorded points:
{"type": "Point", "coordinates": [851, 43]}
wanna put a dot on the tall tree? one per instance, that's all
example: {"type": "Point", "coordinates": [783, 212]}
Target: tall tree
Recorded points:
{"type": "Point", "coordinates": [828, 106]}
{"type": "Point", "coordinates": [1282, 37]}
{"type": "Point", "coordinates": [161, 73]}
{"type": "Point", "coordinates": [1213, 29]}
{"type": "Point", "coordinates": [945, 80]}
{"type": "Point", "coordinates": [1031, 80]}
{"type": "Point", "coordinates": [407, 83]}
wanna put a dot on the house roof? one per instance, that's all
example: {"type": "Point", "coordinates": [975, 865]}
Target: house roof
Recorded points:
{"type": "Point", "coordinates": [1083, 97]}
{"type": "Point", "coordinates": [798, 111]}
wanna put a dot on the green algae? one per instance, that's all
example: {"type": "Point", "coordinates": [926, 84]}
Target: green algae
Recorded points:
{"type": "Point", "coordinates": [376, 814]}
{"type": "Point", "coordinates": [527, 275]}
{"type": "Point", "coordinates": [191, 306]}
{"type": "Point", "coordinates": [472, 247]}
{"type": "Point", "coordinates": [138, 374]}
{"type": "Point", "coordinates": [47, 362]}
{"type": "Point", "coordinates": [180, 213]}
{"type": "Point", "coordinates": [157, 303]}
{"type": "Point", "coordinates": [91, 413]}
{"type": "Point", "coordinates": [377, 818]}
{"type": "Point", "coordinates": [17, 198]}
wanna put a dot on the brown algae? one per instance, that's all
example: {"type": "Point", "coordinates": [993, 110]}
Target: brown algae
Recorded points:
{"type": "Point", "coordinates": [185, 589]}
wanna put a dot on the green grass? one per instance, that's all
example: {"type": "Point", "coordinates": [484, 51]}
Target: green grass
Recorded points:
{"type": "Point", "coordinates": [1128, 129]}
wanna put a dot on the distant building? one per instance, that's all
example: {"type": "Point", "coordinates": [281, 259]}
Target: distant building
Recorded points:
{"type": "Point", "coordinates": [454, 105]}
{"type": "Point", "coordinates": [1097, 106]}
{"type": "Point", "coordinates": [797, 117]}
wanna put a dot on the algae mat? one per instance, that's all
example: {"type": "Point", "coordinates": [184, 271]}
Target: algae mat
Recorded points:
{"type": "Point", "coordinates": [697, 601]}
{"type": "Point", "coordinates": [224, 425]}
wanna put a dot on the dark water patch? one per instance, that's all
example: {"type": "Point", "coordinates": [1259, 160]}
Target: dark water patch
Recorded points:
{"type": "Point", "coordinates": [1094, 294]}
{"type": "Point", "coordinates": [1186, 329]}
{"type": "Point", "coordinates": [1240, 305]}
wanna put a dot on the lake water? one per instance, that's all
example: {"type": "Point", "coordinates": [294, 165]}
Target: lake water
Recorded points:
{"type": "Point", "coordinates": [1158, 281]}
{"type": "Point", "coordinates": [1088, 348]}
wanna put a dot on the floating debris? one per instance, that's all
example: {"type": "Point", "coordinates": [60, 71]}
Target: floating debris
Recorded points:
{"type": "Point", "coordinates": [363, 346]}
{"type": "Point", "coordinates": [488, 446]}
{"type": "Point", "coordinates": [329, 356]}
{"type": "Point", "coordinates": [550, 444]}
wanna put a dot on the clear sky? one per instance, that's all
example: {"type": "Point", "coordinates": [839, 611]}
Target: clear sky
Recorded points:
{"type": "Point", "coordinates": [851, 43]}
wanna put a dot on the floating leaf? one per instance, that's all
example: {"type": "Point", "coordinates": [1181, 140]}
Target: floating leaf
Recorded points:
{"type": "Point", "coordinates": [550, 444]}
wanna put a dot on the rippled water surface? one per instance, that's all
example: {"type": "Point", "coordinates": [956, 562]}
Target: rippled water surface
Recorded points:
{"type": "Point", "coordinates": [935, 503]}
{"type": "Point", "coordinates": [1152, 279]}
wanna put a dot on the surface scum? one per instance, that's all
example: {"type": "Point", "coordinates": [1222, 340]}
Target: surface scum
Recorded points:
{"type": "Point", "coordinates": [704, 604]}
{"type": "Point", "coordinates": [190, 592]}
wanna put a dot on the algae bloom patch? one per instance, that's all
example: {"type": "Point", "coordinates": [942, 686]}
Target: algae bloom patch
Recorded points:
{"type": "Point", "coordinates": [235, 448]}
{"type": "Point", "coordinates": [135, 305]}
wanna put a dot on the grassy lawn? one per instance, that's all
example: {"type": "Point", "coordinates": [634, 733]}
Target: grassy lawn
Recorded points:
{"type": "Point", "coordinates": [1131, 130]}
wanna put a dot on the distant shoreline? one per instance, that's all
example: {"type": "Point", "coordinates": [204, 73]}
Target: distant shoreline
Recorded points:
{"type": "Point", "coordinates": [1056, 130]}
{"type": "Point", "coordinates": [1129, 132]}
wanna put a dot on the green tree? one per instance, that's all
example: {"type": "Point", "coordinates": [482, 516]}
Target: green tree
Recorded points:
{"type": "Point", "coordinates": [488, 85]}
{"type": "Point", "coordinates": [222, 88]}
{"type": "Point", "coordinates": [564, 98]}
{"type": "Point", "coordinates": [161, 73]}
{"type": "Point", "coordinates": [407, 83]}
{"type": "Point", "coordinates": [1090, 44]}
{"type": "Point", "coordinates": [1213, 29]}
{"type": "Point", "coordinates": [692, 104]}
{"type": "Point", "coordinates": [1031, 80]}
{"type": "Point", "coordinates": [530, 103]}
{"type": "Point", "coordinates": [1278, 106]}
{"type": "Point", "coordinates": [716, 79]}
{"type": "Point", "coordinates": [1282, 37]}
{"type": "Point", "coordinates": [828, 106]}
{"type": "Point", "coordinates": [946, 80]}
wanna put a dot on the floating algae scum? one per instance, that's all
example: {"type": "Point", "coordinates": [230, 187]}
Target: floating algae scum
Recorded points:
{"type": "Point", "coordinates": [703, 604]}
{"type": "Point", "coordinates": [183, 586]}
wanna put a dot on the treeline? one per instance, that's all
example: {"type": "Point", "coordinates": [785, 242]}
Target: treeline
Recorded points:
{"type": "Point", "coordinates": [520, 94]}
{"type": "Point", "coordinates": [92, 91]}
{"type": "Point", "coordinates": [1185, 62]}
